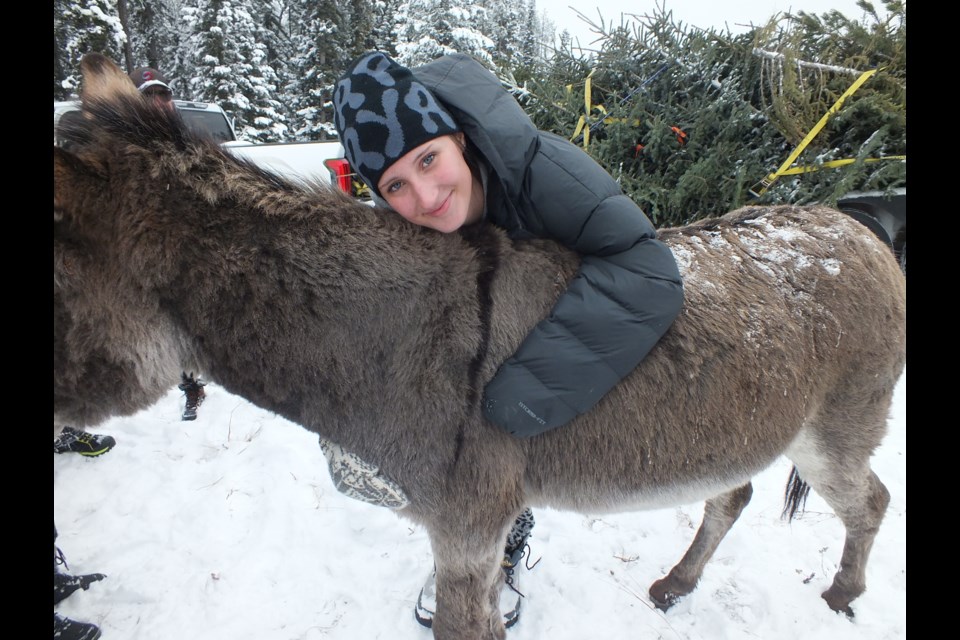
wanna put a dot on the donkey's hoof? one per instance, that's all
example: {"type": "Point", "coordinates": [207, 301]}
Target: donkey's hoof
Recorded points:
{"type": "Point", "coordinates": [837, 603]}
{"type": "Point", "coordinates": [662, 596]}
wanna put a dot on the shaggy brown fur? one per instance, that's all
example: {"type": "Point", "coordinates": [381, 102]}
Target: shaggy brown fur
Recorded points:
{"type": "Point", "coordinates": [170, 255]}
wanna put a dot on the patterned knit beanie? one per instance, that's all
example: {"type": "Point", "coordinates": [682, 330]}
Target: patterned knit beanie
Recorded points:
{"type": "Point", "coordinates": [382, 112]}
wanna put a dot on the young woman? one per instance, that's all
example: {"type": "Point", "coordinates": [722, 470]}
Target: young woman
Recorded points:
{"type": "Point", "coordinates": [445, 146]}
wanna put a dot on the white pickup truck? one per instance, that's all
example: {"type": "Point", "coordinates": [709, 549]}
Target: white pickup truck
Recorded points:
{"type": "Point", "coordinates": [305, 161]}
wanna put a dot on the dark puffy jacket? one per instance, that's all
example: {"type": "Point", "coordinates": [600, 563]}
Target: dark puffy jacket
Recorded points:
{"type": "Point", "coordinates": [628, 290]}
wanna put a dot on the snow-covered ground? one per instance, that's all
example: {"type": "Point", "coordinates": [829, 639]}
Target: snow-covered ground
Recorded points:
{"type": "Point", "coordinates": [229, 528]}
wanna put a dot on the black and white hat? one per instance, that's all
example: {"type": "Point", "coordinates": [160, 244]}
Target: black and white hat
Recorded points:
{"type": "Point", "coordinates": [382, 112]}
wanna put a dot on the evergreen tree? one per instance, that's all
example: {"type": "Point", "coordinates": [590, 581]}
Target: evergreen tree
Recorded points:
{"type": "Point", "coordinates": [502, 21]}
{"type": "Point", "coordinates": [806, 62]}
{"type": "Point", "coordinates": [275, 31]}
{"type": "Point", "coordinates": [536, 46]}
{"type": "Point", "coordinates": [319, 43]}
{"type": "Point", "coordinates": [359, 36]}
{"type": "Point", "coordinates": [155, 36]}
{"type": "Point", "coordinates": [383, 31]}
{"type": "Point", "coordinates": [80, 27]}
{"type": "Point", "coordinates": [429, 29]}
{"type": "Point", "coordinates": [233, 70]}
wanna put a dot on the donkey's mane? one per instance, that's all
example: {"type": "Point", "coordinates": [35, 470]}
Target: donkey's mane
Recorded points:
{"type": "Point", "coordinates": [127, 126]}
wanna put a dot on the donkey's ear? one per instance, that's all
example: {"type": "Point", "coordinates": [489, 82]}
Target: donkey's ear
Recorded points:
{"type": "Point", "coordinates": [103, 79]}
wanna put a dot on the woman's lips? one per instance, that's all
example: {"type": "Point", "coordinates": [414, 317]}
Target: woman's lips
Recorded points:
{"type": "Point", "coordinates": [442, 209]}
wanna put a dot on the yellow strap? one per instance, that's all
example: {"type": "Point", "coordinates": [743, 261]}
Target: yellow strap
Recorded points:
{"type": "Point", "coordinates": [765, 183]}
{"type": "Point", "coordinates": [586, 93]}
{"type": "Point", "coordinates": [580, 124]}
{"type": "Point", "coordinates": [586, 108]}
{"type": "Point", "coordinates": [835, 163]}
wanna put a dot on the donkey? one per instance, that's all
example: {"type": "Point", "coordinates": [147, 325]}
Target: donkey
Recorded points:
{"type": "Point", "coordinates": [170, 254]}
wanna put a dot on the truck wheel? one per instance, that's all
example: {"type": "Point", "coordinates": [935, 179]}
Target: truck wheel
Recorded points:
{"type": "Point", "coordinates": [870, 222]}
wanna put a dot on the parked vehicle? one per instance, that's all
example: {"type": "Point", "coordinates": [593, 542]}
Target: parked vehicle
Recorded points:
{"type": "Point", "coordinates": [198, 116]}
{"type": "Point", "coordinates": [307, 162]}
{"type": "Point", "coordinates": [884, 214]}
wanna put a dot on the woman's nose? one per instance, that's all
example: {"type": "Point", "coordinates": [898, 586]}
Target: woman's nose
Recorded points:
{"type": "Point", "coordinates": [423, 195]}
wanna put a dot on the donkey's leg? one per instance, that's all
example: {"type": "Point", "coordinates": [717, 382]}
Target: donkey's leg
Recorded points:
{"type": "Point", "coordinates": [832, 455]}
{"type": "Point", "coordinates": [860, 501]}
{"type": "Point", "coordinates": [468, 585]}
{"type": "Point", "coordinates": [719, 514]}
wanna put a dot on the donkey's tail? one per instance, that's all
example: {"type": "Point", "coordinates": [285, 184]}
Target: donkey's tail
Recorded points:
{"type": "Point", "coordinates": [795, 495]}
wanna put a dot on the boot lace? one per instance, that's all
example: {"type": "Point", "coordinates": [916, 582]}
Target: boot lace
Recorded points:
{"type": "Point", "coordinates": [58, 557]}
{"type": "Point", "coordinates": [509, 567]}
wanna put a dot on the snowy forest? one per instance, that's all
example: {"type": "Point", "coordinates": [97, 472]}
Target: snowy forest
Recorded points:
{"type": "Point", "coordinates": [689, 120]}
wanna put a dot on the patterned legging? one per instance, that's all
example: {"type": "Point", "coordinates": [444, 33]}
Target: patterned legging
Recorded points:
{"type": "Point", "coordinates": [360, 480]}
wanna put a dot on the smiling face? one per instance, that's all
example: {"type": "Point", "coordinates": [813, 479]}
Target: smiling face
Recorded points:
{"type": "Point", "coordinates": [432, 186]}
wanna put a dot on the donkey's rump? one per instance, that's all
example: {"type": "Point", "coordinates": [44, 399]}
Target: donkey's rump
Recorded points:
{"type": "Point", "coordinates": [781, 318]}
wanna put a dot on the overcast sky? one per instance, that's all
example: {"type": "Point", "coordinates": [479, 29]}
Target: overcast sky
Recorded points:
{"type": "Point", "coordinates": [700, 13]}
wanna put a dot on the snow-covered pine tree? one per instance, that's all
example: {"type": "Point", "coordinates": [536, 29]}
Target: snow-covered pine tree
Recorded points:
{"type": "Point", "coordinates": [383, 31]}
{"type": "Point", "coordinates": [321, 49]}
{"type": "Point", "coordinates": [155, 35]}
{"type": "Point", "coordinates": [359, 36]}
{"type": "Point", "coordinates": [428, 29]}
{"type": "Point", "coordinates": [81, 26]}
{"type": "Point", "coordinates": [232, 69]}
{"type": "Point", "coordinates": [504, 22]}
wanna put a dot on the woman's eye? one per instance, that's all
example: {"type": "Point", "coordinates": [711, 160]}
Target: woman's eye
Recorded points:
{"type": "Point", "coordinates": [428, 159]}
{"type": "Point", "coordinates": [394, 187]}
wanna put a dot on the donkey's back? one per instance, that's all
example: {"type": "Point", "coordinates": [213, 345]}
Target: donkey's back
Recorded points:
{"type": "Point", "coordinates": [792, 333]}
{"type": "Point", "coordinates": [791, 342]}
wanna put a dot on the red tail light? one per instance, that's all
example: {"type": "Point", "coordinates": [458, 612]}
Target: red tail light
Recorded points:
{"type": "Point", "coordinates": [340, 173]}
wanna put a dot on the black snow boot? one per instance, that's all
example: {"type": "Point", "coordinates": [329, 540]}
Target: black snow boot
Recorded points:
{"type": "Point", "coordinates": [193, 389]}
{"type": "Point", "coordinates": [65, 584]}
{"type": "Point", "coordinates": [67, 629]}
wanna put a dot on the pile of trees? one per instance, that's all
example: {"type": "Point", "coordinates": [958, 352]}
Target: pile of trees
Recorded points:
{"type": "Point", "coordinates": [688, 120]}
{"type": "Point", "coordinates": [692, 120]}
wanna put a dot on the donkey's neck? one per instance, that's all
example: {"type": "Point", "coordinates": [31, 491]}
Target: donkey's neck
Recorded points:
{"type": "Point", "coordinates": [298, 311]}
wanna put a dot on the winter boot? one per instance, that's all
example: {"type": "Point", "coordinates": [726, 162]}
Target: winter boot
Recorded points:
{"type": "Point", "coordinates": [67, 629]}
{"type": "Point", "coordinates": [193, 389]}
{"type": "Point", "coordinates": [65, 584]}
{"type": "Point", "coordinates": [516, 549]}
{"type": "Point", "coordinates": [72, 440]}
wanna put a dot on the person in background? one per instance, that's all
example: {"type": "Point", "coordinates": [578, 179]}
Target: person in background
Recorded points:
{"type": "Point", "coordinates": [152, 84]}
{"type": "Point", "coordinates": [446, 147]}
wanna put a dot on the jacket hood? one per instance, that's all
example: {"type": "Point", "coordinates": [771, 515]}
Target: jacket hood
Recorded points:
{"type": "Point", "coordinates": [485, 112]}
